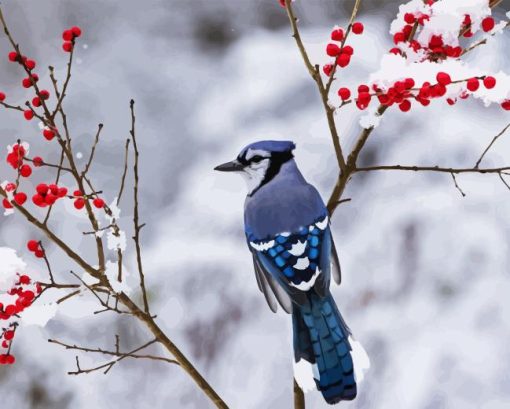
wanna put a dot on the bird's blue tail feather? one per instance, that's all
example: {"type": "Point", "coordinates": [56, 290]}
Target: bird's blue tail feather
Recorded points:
{"type": "Point", "coordinates": [321, 337]}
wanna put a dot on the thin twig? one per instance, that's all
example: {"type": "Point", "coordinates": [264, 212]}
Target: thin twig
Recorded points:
{"type": "Point", "coordinates": [124, 173]}
{"type": "Point", "coordinates": [91, 157]}
{"type": "Point", "coordinates": [457, 185]}
{"type": "Point", "coordinates": [490, 145]}
{"type": "Point", "coordinates": [136, 222]}
{"type": "Point", "coordinates": [432, 169]}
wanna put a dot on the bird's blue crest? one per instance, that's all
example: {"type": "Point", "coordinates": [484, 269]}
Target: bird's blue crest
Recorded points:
{"type": "Point", "coordinates": [270, 146]}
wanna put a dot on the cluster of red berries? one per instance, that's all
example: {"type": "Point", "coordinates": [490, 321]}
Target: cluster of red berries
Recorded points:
{"type": "Point", "coordinates": [402, 92]}
{"type": "Point", "coordinates": [19, 197]}
{"type": "Point", "coordinates": [342, 53]}
{"type": "Point", "coordinates": [69, 37]}
{"type": "Point", "coordinates": [487, 25]}
{"type": "Point", "coordinates": [80, 201]}
{"type": "Point", "coordinates": [28, 82]}
{"type": "Point", "coordinates": [47, 195]}
{"type": "Point", "coordinates": [25, 291]}
{"type": "Point", "coordinates": [15, 159]}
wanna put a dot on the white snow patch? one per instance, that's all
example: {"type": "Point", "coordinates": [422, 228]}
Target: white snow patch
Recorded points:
{"type": "Point", "coordinates": [10, 264]}
{"type": "Point", "coordinates": [360, 359]}
{"type": "Point", "coordinates": [39, 314]}
{"type": "Point", "coordinates": [115, 242]}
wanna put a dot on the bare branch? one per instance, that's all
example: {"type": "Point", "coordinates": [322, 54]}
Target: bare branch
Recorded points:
{"type": "Point", "coordinates": [136, 222]}
{"type": "Point", "coordinates": [433, 169]}
{"type": "Point", "coordinates": [490, 145]}
{"type": "Point", "coordinates": [124, 173]}
{"type": "Point", "coordinates": [457, 185]}
{"type": "Point", "coordinates": [91, 157]}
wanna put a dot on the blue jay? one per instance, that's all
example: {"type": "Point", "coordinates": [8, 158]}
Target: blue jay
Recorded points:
{"type": "Point", "coordinates": [294, 256]}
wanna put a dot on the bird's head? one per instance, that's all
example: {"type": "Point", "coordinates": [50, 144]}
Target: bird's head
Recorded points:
{"type": "Point", "coordinates": [260, 162]}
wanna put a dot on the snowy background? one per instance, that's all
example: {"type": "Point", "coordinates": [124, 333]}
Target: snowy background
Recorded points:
{"type": "Point", "coordinates": [425, 271]}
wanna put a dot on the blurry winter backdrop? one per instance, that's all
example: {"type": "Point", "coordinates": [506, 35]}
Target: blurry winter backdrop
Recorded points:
{"type": "Point", "coordinates": [426, 282]}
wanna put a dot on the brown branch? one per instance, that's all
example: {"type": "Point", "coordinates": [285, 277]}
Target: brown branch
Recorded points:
{"type": "Point", "coordinates": [433, 169]}
{"type": "Point", "coordinates": [457, 185]}
{"type": "Point", "coordinates": [91, 157]}
{"type": "Point", "coordinates": [490, 145]}
{"type": "Point", "coordinates": [117, 352]}
{"type": "Point", "coordinates": [316, 76]}
{"type": "Point", "coordinates": [355, 10]}
{"type": "Point", "coordinates": [299, 397]}
{"type": "Point", "coordinates": [136, 222]}
{"type": "Point", "coordinates": [124, 173]}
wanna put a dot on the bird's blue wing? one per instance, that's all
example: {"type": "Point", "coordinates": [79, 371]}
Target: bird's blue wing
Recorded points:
{"type": "Point", "coordinates": [295, 261]}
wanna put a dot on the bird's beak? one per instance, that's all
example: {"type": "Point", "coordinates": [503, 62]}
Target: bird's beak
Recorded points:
{"type": "Point", "coordinates": [232, 166]}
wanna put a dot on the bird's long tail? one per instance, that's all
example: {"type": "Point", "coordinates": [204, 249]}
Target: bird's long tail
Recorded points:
{"type": "Point", "coordinates": [323, 342]}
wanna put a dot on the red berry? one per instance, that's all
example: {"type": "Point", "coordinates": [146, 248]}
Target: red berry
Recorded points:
{"type": "Point", "coordinates": [395, 51]}
{"type": "Point", "coordinates": [451, 101]}
{"type": "Point", "coordinates": [443, 78]}
{"type": "Point", "coordinates": [36, 101]}
{"type": "Point", "coordinates": [2, 97]}
{"type": "Point", "coordinates": [343, 60]}
{"type": "Point", "coordinates": [53, 188]}
{"type": "Point", "coordinates": [405, 105]}
{"type": "Point", "coordinates": [7, 204]}
{"type": "Point", "coordinates": [98, 202]}
{"type": "Point", "coordinates": [344, 93]}
{"type": "Point", "coordinates": [45, 94]}
{"type": "Point", "coordinates": [468, 34]}
{"type": "Point", "coordinates": [489, 82]}
{"type": "Point", "coordinates": [327, 69]}
{"type": "Point", "coordinates": [409, 83]}
{"type": "Point", "coordinates": [363, 88]}
{"type": "Point", "coordinates": [38, 200]}
{"type": "Point", "coordinates": [8, 335]}
{"type": "Point", "coordinates": [76, 31]}
{"type": "Point", "coordinates": [50, 199]}
{"type": "Point", "coordinates": [332, 50]}
{"type": "Point", "coordinates": [62, 192]}
{"type": "Point", "coordinates": [30, 64]}
{"type": "Point", "coordinates": [20, 198]}
{"type": "Point", "coordinates": [27, 83]}
{"type": "Point", "coordinates": [67, 46]}
{"type": "Point", "coordinates": [436, 41]}
{"type": "Point", "coordinates": [79, 203]}
{"type": "Point", "coordinates": [357, 28]}
{"type": "Point", "coordinates": [399, 38]}
{"type": "Point", "coordinates": [337, 34]}
{"type": "Point", "coordinates": [506, 105]}
{"type": "Point", "coordinates": [363, 100]}
{"type": "Point", "coordinates": [24, 279]}
{"type": "Point", "coordinates": [28, 114]}
{"type": "Point", "coordinates": [487, 24]}
{"type": "Point", "coordinates": [32, 245]}
{"type": "Point", "coordinates": [347, 50]}
{"type": "Point", "coordinates": [49, 134]}
{"type": "Point", "coordinates": [42, 188]}
{"type": "Point", "coordinates": [409, 18]}
{"type": "Point", "coordinates": [38, 161]}
{"type": "Point", "coordinates": [25, 171]}
{"type": "Point", "coordinates": [39, 253]}
{"type": "Point", "coordinates": [77, 193]}
{"type": "Point", "coordinates": [473, 84]}
{"type": "Point", "coordinates": [67, 35]}
{"type": "Point", "coordinates": [13, 56]}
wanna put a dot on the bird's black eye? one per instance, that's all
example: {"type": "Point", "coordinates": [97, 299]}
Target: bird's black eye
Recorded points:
{"type": "Point", "coordinates": [256, 159]}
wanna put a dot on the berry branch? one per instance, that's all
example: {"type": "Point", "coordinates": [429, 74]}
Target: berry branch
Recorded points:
{"type": "Point", "coordinates": [417, 44]}
{"type": "Point", "coordinates": [109, 289]}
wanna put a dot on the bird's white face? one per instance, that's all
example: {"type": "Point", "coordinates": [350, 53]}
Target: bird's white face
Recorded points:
{"type": "Point", "coordinates": [255, 171]}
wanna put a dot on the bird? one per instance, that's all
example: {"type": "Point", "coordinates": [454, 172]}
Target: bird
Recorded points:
{"type": "Point", "coordinates": [288, 233]}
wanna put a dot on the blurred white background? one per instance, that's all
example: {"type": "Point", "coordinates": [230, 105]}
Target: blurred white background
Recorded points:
{"type": "Point", "coordinates": [425, 270]}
